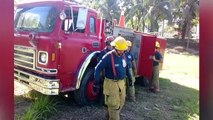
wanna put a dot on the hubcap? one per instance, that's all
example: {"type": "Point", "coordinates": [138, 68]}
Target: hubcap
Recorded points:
{"type": "Point", "coordinates": [90, 95]}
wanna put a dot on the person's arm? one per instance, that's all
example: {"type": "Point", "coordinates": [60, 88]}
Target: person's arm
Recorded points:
{"type": "Point", "coordinates": [101, 55]}
{"type": "Point", "coordinates": [128, 74]}
{"type": "Point", "coordinates": [99, 67]}
{"type": "Point", "coordinates": [159, 58]}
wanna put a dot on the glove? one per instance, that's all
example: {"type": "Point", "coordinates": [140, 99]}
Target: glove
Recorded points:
{"type": "Point", "coordinates": [95, 89]}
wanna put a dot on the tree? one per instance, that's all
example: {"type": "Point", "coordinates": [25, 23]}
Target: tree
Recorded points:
{"type": "Point", "coordinates": [109, 8]}
{"type": "Point", "coordinates": [149, 13]}
{"type": "Point", "coordinates": [191, 11]}
{"type": "Point", "coordinates": [185, 12]}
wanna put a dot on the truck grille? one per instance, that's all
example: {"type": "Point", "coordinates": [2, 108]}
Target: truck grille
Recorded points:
{"type": "Point", "coordinates": [24, 57]}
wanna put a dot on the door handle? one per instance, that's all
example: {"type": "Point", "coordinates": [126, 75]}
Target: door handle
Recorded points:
{"type": "Point", "coordinates": [96, 45]}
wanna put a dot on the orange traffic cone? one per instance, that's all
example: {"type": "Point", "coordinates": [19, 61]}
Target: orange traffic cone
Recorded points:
{"type": "Point", "coordinates": [122, 19]}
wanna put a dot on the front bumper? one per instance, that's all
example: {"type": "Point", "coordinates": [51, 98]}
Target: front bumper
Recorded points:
{"type": "Point", "coordinates": [40, 84]}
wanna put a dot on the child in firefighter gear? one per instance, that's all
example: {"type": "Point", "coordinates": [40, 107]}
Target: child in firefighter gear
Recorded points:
{"type": "Point", "coordinates": [114, 89]}
{"type": "Point", "coordinates": [157, 58]}
{"type": "Point", "coordinates": [131, 67]}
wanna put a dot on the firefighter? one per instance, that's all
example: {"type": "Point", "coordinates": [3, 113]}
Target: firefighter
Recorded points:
{"type": "Point", "coordinates": [114, 88]}
{"type": "Point", "coordinates": [131, 65]}
{"type": "Point", "coordinates": [108, 47]}
{"type": "Point", "coordinates": [157, 58]}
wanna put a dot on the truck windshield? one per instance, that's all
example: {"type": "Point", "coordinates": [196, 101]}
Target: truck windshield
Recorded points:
{"type": "Point", "coordinates": [39, 19]}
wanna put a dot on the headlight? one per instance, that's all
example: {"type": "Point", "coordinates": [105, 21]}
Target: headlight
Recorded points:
{"type": "Point", "coordinates": [42, 57]}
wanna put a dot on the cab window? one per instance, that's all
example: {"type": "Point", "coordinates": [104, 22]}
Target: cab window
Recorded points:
{"type": "Point", "coordinates": [73, 20]}
{"type": "Point", "coordinates": [92, 25]}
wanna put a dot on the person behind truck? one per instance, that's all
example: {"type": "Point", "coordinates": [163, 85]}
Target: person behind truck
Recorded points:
{"type": "Point", "coordinates": [115, 67]}
{"type": "Point", "coordinates": [107, 48]}
{"type": "Point", "coordinates": [131, 65]}
{"type": "Point", "coordinates": [157, 58]}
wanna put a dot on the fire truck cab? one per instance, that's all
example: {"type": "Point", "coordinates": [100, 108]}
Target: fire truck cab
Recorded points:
{"type": "Point", "coordinates": [56, 46]}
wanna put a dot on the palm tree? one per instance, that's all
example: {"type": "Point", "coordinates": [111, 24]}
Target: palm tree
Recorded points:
{"type": "Point", "coordinates": [191, 11]}
{"type": "Point", "coordinates": [184, 13]}
{"type": "Point", "coordinates": [149, 13]}
{"type": "Point", "coordinates": [109, 8]}
{"type": "Point", "coordinates": [134, 14]}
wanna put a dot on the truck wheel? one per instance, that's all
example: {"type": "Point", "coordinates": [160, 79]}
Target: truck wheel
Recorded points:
{"type": "Point", "coordinates": [84, 95]}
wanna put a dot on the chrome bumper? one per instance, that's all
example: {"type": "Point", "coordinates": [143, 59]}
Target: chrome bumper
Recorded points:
{"type": "Point", "coordinates": [43, 85]}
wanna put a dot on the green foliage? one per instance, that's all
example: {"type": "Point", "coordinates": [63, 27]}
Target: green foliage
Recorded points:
{"type": "Point", "coordinates": [42, 108]}
{"type": "Point", "coordinates": [149, 13]}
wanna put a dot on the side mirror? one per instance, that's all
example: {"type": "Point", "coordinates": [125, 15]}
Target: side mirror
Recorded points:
{"type": "Point", "coordinates": [63, 15]}
{"type": "Point", "coordinates": [67, 24]}
{"type": "Point", "coordinates": [82, 18]}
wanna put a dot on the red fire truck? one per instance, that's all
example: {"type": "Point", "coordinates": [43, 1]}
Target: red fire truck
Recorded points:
{"type": "Point", "coordinates": [57, 43]}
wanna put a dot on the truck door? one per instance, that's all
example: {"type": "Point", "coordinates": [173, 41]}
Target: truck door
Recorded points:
{"type": "Point", "coordinates": [145, 64]}
{"type": "Point", "coordinates": [74, 47]}
{"type": "Point", "coordinates": [93, 32]}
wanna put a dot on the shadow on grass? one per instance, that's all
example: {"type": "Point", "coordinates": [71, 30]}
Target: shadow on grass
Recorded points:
{"type": "Point", "coordinates": [174, 102]}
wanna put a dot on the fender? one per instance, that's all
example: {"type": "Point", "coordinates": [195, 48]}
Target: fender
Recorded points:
{"type": "Point", "coordinates": [84, 67]}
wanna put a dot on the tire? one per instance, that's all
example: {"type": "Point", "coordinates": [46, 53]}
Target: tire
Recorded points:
{"type": "Point", "coordinates": [83, 96]}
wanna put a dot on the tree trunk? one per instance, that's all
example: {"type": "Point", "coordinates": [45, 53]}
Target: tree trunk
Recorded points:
{"type": "Point", "coordinates": [143, 29]}
{"type": "Point", "coordinates": [152, 26]}
{"type": "Point", "coordinates": [162, 29]}
{"type": "Point", "coordinates": [184, 30]}
{"type": "Point", "coordinates": [132, 24]}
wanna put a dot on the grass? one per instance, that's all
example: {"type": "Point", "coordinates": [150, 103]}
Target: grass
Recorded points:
{"type": "Point", "coordinates": [184, 101]}
{"type": "Point", "coordinates": [42, 108]}
{"type": "Point", "coordinates": [180, 83]}
{"type": "Point", "coordinates": [174, 102]}
{"type": "Point", "coordinates": [181, 69]}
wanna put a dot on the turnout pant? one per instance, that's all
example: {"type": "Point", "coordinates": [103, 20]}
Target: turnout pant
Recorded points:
{"type": "Point", "coordinates": [115, 94]}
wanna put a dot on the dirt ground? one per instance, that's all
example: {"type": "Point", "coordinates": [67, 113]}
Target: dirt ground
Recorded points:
{"type": "Point", "coordinates": [149, 106]}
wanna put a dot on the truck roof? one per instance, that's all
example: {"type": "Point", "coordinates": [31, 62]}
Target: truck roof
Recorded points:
{"type": "Point", "coordinates": [26, 3]}
{"type": "Point", "coordinates": [54, 2]}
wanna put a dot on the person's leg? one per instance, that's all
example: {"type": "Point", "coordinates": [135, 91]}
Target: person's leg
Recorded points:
{"type": "Point", "coordinates": [122, 98]}
{"type": "Point", "coordinates": [122, 95]}
{"type": "Point", "coordinates": [132, 87]}
{"type": "Point", "coordinates": [127, 87]}
{"type": "Point", "coordinates": [112, 99]}
{"type": "Point", "coordinates": [156, 79]}
{"type": "Point", "coordinates": [114, 114]}
{"type": "Point", "coordinates": [151, 85]}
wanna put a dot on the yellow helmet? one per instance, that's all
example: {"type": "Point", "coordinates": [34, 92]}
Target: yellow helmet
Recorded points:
{"type": "Point", "coordinates": [157, 44]}
{"type": "Point", "coordinates": [129, 43]}
{"type": "Point", "coordinates": [119, 43]}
